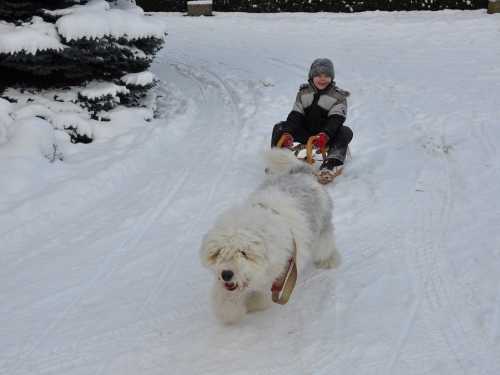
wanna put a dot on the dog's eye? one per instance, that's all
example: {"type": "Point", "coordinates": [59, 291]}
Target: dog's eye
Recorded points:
{"type": "Point", "coordinates": [244, 254]}
{"type": "Point", "coordinates": [213, 257]}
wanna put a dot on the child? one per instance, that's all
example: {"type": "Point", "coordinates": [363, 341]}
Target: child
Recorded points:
{"type": "Point", "coordinates": [320, 109]}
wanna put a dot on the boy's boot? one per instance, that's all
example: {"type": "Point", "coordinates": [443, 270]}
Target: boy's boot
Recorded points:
{"type": "Point", "coordinates": [337, 153]}
{"type": "Point", "coordinates": [332, 165]}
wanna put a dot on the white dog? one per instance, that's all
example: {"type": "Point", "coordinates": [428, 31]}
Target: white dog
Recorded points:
{"type": "Point", "coordinates": [250, 246]}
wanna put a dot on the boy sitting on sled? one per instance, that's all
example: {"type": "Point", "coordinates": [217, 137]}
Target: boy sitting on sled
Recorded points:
{"type": "Point", "coordinates": [320, 109]}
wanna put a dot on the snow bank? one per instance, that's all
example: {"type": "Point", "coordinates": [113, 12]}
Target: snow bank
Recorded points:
{"type": "Point", "coordinates": [5, 119]}
{"type": "Point", "coordinates": [30, 37]}
{"type": "Point", "coordinates": [62, 121]}
{"type": "Point", "coordinates": [3, 132]}
{"type": "Point", "coordinates": [33, 110]}
{"type": "Point", "coordinates": [138, 79]}
{"type": "Point", "coordinates": [29, 138]}
{"type": "Point", "coordinates": [123, 115]}
{"type": "Point", "coordinates": [26, 157]}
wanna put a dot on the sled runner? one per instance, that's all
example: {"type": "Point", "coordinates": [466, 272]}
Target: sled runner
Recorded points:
{"type": "Point", "coordinates": [311, 154]}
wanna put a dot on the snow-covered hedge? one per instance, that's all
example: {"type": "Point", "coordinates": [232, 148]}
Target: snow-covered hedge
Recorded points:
{"type": "Point", "coordinates": [345, 5]}
{"type": "Point", "coordinates": [317, 5]}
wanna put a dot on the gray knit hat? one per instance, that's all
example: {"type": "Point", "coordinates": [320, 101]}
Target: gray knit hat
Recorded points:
{"type": "Point", "coordinates": [321, 66]}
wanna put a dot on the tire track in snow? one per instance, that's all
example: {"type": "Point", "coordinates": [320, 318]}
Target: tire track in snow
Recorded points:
{"type": "Point", "coordinates": [488, 152]}
{"type": "Point", "coordinates": [483, 136]}
{"type": "Point", "coordinates": [434, 288]}
{"type": "Point", "coordinates": [460, 337]}
{"type": "Point", "coordinates": [421, 264]}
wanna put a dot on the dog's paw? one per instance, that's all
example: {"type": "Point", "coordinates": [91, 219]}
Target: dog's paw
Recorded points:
{"type": "Point", "coordinates": [326, 263]}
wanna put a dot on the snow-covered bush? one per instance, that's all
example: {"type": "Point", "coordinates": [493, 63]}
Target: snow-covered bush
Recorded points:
{"type": "Point", "coordinates": [80, 42]}
{"type": "Point", "coordinates": [105, 47]}
{"type": "Point", "coordinates": [101, 96]}
{"type": "Point", "coordinates": [344, 5]}
{"type": "Point", "coordinates": [90, 40]}
{"type": "Point", "coordinates": [138, 85]}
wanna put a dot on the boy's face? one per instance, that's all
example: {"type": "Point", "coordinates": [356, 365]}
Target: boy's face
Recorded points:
{"type": "Point", "coordinates": [322, 81]}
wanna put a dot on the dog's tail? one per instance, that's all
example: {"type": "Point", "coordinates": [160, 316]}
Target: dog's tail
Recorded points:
{"type": "Point", "coordinates": [282, 161]}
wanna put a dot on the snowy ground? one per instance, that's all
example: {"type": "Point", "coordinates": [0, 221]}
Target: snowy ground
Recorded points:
{"type": "Point", "coordinates": [99, 254]}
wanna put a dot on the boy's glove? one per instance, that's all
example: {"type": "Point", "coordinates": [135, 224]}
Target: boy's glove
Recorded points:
{"type": "Point", "coordinates": [287, 140]}
{"type": "Point", "coordinates": [321, 140]}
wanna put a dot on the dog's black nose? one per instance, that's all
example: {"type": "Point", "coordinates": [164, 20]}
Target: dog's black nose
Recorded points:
{"type": "Point", "coordinates": [227, 275]}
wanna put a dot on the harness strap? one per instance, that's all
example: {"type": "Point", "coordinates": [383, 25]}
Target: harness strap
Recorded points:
{"type": "Point", "coordinates": [282, 288]}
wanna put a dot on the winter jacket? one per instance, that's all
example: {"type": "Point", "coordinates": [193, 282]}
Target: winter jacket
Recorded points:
{"type": "Point", "coordinates": [318, 110]}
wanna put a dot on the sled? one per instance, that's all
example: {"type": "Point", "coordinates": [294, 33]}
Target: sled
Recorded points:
{"type": "Point", "coordinates": [311, 154]}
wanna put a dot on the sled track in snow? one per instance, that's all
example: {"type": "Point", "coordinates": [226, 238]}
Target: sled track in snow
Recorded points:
{"type": "Point", "coordinates": [296, 68]}
{"type": "Point", "coordinates": [108, 267]}
{"type": "Point", "coordinates": [205, 81]}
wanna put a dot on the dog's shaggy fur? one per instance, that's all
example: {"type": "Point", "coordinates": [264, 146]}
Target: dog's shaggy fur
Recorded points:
{"type": "Point", "coordinates": [249, 246]}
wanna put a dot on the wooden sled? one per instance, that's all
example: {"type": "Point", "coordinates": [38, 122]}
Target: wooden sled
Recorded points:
{"type": "Point", "coordinates": [311, 154]}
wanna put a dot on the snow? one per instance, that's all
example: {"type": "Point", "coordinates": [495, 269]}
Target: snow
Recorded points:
{"type": "Point", "coordinates": [73, 121]}
{"type": "Point", "coordinates": [30, 143]}
{"type": "Point", "coordinates": [30, 137]}
{"type": "Point", "coordinates": [200, 2]}
{"type": "Point", "coordinates": [138, 79]}
{"type": "Point", "coordinates": [98, 89]}
{"type": "Point", "coordinates": [30, 37]}
{"type": "Point", "coordinates": [129, 5]}
{"type": "Point", "coordinates": [90, 21]}
{"type": "Point", "coordinates": [100, 269]}
{"type": "Point", "coordinates": [91, 7]}
{"type": "Point", "coordinates": [60, 118]}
